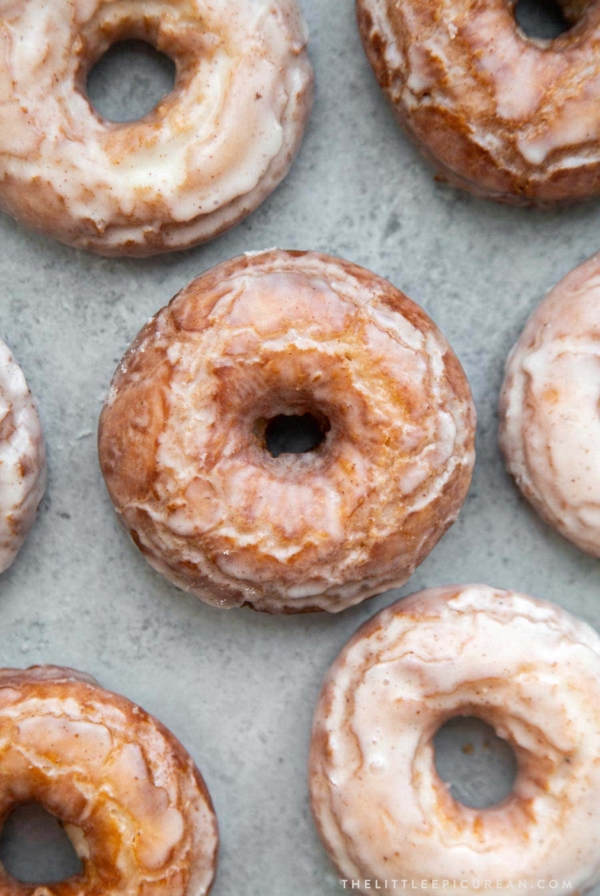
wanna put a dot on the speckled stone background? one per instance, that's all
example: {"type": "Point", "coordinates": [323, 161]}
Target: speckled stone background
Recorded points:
{"type": "Point", "coordinates": [238, 688]}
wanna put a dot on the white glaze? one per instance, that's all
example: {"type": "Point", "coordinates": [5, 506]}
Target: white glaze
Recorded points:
{"type": "Point", "coordinates": [22, 459]}
{"type": "Point", "coordinates": [526, 667]}
{"type": "Point", "coordinates": [130, 797]}
{"type": "Point", "coordinates": [550, 408]}
{"type": "Point", "coordinates": [287, 335]}
{"type": "Point", "coordinates": [208, 155]}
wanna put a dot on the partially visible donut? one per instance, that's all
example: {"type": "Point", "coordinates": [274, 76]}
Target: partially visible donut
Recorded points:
{"type": "Point", "coordinates": [550, 408]}
{"type": "Point", "coordinates": [22, 459]}
{"type": "Point", "coordinates": [130, 798]}
{"type": "Point", "coordinates": [182, 436]}
{"type": "Point", "coordinates": [528, 669]}
{"type": "Point", "coordinates": [499, 114]}
{"type": "Point", "coordinates": [205, 157]}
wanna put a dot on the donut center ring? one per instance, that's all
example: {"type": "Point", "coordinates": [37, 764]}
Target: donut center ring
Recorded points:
{"type": "Point", "coordinates": [129, 80]}
{"type": "Point", "coordinates": [292, 433]}
{"type": "Point", "coordinates": [479, 767]}
{"type": "Point", "coordinates": [547, 20]}
{"type": "Point", "coordinates": [35, 849]}
{"type": "Point", "coordinates": [130, 65]}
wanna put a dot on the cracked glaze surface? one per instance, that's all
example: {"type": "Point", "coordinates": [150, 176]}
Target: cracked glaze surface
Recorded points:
{"type": "Point", "coordinates": [524, 666]}
{"type": "Point", "coordinates": [550, 408]}
{"type": "Point", "coordinates": [131, 799]}
{"type": "Point", "coordinates": [22, 459]}
{"type": "Point", "coordinates": [206, 156]}
{"type": "Point", "coordinates": [502, 115]}
{"type": "Point", "coordinates": [182, 435]}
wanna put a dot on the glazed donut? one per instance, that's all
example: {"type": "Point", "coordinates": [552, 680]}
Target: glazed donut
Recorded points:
{"type": "Point", "coordinates": [525, 667]}
{"type": "Point", "coordinates": [206, 156]}
{"type": "Point", "coordinates": [22, 459]}
{"type": "Point", "coordinates": [499, 114]}
{"type": "Point", "coordinates": [550, 404]}
{"type": "Point", "coordinates": [183, 435]}
{"type": "Point", "coordinates": [130, 798]}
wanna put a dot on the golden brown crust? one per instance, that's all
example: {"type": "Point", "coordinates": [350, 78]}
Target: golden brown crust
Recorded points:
{"type": "Point", "coordinates": [288, 333]}
{"type": "Point", "coordinates": [500, 115]}
{"type": "Point", "coordinates": [130, 797]}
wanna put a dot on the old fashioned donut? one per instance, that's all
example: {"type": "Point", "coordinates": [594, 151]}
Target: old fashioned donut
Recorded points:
{"type": "Point", "coordinates": [22, 459]}
{"type": "Point", "coordinates": [499, 114]}
{"type": "Point", "coordinates": [550, 408]}
{"type": "Point", "coordinates": [206, 156]}
{"type": "Point", "coordinates": [183, 435]}
{"type": "Point", "coordinates": [130, 798]}
{"type": "Point", "coordinates": [525, 667]}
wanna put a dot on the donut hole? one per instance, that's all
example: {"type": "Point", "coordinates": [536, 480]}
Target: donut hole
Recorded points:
{"type": "Point", "coordinates": [34, 848]}
{"type": "Point", "coordinates": [541, 19]}
{"type": "Point", "coordinates": [293, 433]}
{"type": "Point", "coordinates": [129, 80]}
{"type": "Point", "coordinates": [479, 766]}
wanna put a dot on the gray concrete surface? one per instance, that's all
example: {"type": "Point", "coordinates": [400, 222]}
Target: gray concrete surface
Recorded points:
{"type": "Point", "coordinates": [238, 688]}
